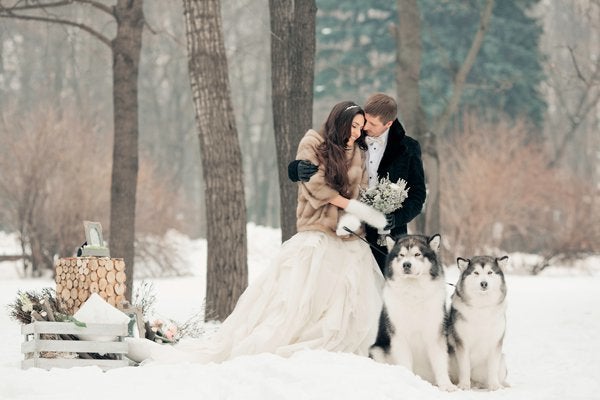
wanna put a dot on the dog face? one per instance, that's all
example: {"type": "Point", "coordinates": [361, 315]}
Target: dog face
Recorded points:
{"type": "Point", "coordinates": [482, 275]}
{"type": "Point", "coordinates": [412, 256]}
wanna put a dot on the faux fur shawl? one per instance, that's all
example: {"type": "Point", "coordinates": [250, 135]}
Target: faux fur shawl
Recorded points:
{"type": "Point", "coordinates": [314, 211]}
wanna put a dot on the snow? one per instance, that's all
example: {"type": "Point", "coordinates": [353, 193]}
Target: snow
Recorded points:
{"type": "Point", "coordinates": [552, 346]}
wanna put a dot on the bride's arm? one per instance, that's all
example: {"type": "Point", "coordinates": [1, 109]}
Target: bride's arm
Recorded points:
{"type": "Point", "coordinates": [340, 201]}
{"type": "Point", "coordinates": [362, 211]}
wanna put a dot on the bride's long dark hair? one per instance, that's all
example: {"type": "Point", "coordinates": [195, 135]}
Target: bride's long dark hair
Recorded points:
{"type": "Point", "coordinates": [332, 152]}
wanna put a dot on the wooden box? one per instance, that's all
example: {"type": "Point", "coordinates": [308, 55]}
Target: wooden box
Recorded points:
{"type": "Point", "coordinates": [78, 277]}
{"type": "Point", "coordinates": [35, 347]}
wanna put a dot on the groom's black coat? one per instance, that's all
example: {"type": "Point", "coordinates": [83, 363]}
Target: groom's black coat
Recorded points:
{"type": "Point", "coordinates": [401, 159]}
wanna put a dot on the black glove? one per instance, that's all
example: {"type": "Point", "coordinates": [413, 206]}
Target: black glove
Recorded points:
{"type": "Point", "coordinates": [293, 171]}
{"type": "Point", "coordinates": [391, 222]}
{"type": "Point", "coordinates": [305, 170]}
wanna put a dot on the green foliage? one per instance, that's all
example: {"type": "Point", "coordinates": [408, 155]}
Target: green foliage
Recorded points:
{"type": "Point", "coordinates": [356, 54]}
{"type": "Point", "coordinates": [354, 48]}
{"type": "Point", "coordinates": [507, 72]}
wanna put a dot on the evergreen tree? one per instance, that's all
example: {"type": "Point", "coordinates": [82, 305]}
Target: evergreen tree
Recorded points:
{"type": "Point", "coordinates": [356, 54]}
{"type": "Point", "coordinates": [355, 50]}
{"type": "Point", "coordinates": [508, 71]}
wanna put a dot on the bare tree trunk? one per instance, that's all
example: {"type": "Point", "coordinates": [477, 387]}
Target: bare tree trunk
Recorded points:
{"type": "Point", "coordinates": [409, 50]}
{"type": "Point", "coordinates": [126, 47]}
{"type": "Point", "coordinates": [461, 75]}
{"type": "Point", "coordinates": [408, 75]}
{"type": "Point", "coordinates": [227, 272]}
{"type": "Point", "coordinates": [408, 68]}
{"type": "Point", "coordinates": [292, 67]}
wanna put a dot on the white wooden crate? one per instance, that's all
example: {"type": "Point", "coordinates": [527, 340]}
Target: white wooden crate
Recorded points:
{"type": "Point", "coordinates": [34, 345]}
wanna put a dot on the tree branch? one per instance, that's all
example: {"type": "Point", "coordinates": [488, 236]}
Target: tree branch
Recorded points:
{"type": "Point", "coordinates": [576, 65]}
{"type": "Point", "coordinates": [152, 30]}
{"type": "Point", "coordinates": [81, 26]}
{"type": "Point", "coordinates": [575, 120]}
{"type": "Point", "coordinates": [465, 68]}
{"type": "Point", "coordinates": [38, 6]}
{"type": "Point", "coordinates": [583, 108]}
{"type": "Point", "coordinates": [27, 7]}
{"type": "Point", "coordinates": [99, 6]}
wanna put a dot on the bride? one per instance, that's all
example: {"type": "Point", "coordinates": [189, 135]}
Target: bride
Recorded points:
{"type": "Point", "coordinates": [323, 289]}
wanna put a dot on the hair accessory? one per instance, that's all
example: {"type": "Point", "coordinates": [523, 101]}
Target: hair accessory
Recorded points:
{"type": "Point", "coordinates": [349, 107]}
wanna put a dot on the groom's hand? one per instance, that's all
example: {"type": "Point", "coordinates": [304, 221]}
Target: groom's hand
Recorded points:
{"type": "Point", "coordinates": [391, 222]}
{"type": "Point", "coordinates": [301, 170]}
{"type": "Point", "coordinates": [306, 170]}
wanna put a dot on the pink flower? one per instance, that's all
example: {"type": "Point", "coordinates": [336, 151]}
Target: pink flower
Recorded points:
{"type": "Point", "coordinates": [170, 333]}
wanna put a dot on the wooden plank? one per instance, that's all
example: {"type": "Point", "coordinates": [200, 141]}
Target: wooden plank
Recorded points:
{"type": "Point", "coordinates": [48, 363]}
{"type": "Point", "coordinates": [74, 346]}
{"type": "Point", "coordinates": [13, 257]}
{"type": "Point", "coordinates": [71, 328]}
{"type": "Point", "coordinates": [33, 345]}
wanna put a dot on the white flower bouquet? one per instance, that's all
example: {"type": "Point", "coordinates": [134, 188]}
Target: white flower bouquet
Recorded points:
{"type": "Point", "coordinates": [386, 197]}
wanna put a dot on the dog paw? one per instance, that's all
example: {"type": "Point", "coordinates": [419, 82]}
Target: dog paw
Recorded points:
{"type": "Point", "coordinates": [447, 387]}
{"type": "Point", "coordinates": [376, 353]}
{"type": "Point", "coordinates": [464, 385]}
{"type": "Point", "coordinates": [494, 386]}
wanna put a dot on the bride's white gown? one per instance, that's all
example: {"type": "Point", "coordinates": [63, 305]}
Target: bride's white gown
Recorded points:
{"type": "Point", "coordinates": [320, 293]}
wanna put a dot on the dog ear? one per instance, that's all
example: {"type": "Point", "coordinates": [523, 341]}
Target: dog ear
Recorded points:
{"type": "Point", "coordinates": [434, 242]}
{"type": "Point", "coordinates": [462, 263]}
{"type": "Point", "coordinates": [389, 242]}
{"type": "Point", "coordinates": [502, 262]}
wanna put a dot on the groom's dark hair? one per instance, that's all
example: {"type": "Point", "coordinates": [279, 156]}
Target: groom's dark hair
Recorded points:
{"type": "Point", "coordinates": [383, 106]}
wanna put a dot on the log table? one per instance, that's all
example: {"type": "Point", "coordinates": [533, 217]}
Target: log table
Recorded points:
{"type": "Point", "coordinates": [78, 277]}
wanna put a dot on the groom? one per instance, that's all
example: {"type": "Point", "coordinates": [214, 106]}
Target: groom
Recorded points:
{"type": "Point", "coordinates": [391, 152]}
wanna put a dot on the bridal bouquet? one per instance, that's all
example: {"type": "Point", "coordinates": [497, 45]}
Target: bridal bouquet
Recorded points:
{"type": "Point", "coordinates": [385, 197]}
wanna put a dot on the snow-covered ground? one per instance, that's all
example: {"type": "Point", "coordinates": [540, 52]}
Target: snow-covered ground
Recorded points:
{"type": "Point", "coordinates": [552, 347]}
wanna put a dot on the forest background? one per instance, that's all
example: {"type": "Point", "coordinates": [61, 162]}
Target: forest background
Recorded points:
{"type": "Point", "coordinates": [513, 143]}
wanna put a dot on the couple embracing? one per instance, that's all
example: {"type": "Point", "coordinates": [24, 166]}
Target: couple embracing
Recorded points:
{"type": "Point", "coordinates": [324, 289]}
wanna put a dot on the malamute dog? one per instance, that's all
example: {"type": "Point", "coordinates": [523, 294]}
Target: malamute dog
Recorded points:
{"type": "Point", "coordinates": [476, 323]}
{"type": "Point", "coordinates": [411, 324]}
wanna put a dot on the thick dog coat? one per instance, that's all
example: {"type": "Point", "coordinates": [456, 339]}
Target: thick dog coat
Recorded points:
{"type": "Point", "coordinates": [411, 325]}
{"type": "Point", "coordinates": [476, 324]}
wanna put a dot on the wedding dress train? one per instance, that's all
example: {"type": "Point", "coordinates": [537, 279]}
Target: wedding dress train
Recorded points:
{"type": "Point", "coordinates": [321, 292]}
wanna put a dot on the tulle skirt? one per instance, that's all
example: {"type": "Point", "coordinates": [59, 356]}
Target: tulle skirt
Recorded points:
{"type": "Point", "coordinates": [320, 293]}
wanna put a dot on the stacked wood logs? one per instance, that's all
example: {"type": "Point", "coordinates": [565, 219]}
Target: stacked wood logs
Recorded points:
{"type": "Point", "coordinates": [78, 277]}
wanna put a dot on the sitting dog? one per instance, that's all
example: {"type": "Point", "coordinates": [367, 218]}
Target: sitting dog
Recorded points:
{"type": "Point", "coordinates": [476, 323]}
{"type": "Point", "coordinates": [411, 324]}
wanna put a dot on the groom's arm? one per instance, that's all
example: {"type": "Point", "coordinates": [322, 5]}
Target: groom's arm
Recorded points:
{"type": "Point", "coordinates": [415, 181]}
{"type": "Point", "coordinates": [301, 170]}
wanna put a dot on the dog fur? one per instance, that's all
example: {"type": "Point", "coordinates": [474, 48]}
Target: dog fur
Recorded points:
{"type": "Point", "coordinates": [476, 324]}
{"type": "Point", "coordinates": [411, 325]}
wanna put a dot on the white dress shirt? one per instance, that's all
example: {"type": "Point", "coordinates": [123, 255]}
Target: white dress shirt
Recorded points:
{"type": "Point", "coordinates": [375, 154]}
